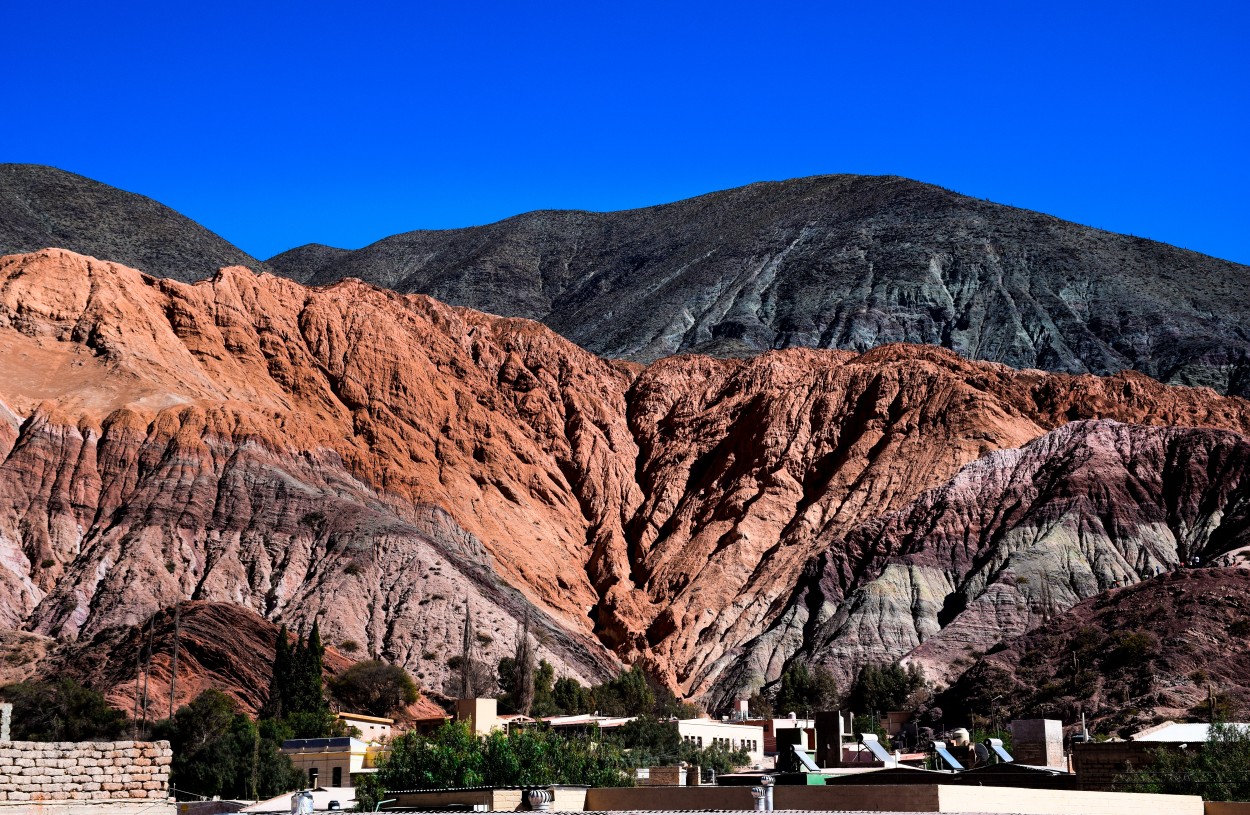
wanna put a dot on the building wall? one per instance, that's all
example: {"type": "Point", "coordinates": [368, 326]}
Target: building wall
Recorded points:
{"type": "Point", "coordinates": [481, 714]}
{"type": "Point", "coordinates": [913, 798]}
{"type": "Point", "coordinates": [1097, 764]}
{"type": "Point", "coordinates": [1038, 742]}
{"type": "Point", "coordinates": [441, 798]}
{"type": "Point", "coordinates": [369, 729]}
{"type": "Point", "coordinates": [737, 736]}
{"type": "Point", "coordinates": [1063, 802]}
{"type": "Point", "coordinates": [497, 800]}
{"type": "Point", "coordinates": [32, 771]}
{"type": "Point", "coordinates": [613, 799]}
{"type": "Point", "coordinates": [325, 763]}
{"type": "Point", "coordinates": [1227, 808]}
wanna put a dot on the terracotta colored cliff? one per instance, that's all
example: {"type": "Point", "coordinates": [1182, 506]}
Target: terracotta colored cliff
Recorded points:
{"type": "Point", "coordinates": [376, 460]}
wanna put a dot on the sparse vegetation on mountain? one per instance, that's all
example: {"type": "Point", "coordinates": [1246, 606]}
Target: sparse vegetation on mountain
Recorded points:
{"type": "Point", "coordinates": [837, 261]}
{"type": "Point", "coordinates": [43, 207]}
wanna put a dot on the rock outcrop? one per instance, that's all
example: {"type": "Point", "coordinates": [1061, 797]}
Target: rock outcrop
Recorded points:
{"type": "Point", "coordinates": [220, 645]}
{"type": "Point", "coordinates": [43, 207]}
{"type": "Point", "coordinates": [848, 262]}
{"type": "Point", "coordinates": [376, 461]}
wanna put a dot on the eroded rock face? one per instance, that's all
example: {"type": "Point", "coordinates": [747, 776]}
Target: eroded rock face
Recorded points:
{"type": "Point", "coordinates": [220, 645]}
{"type": "Point", "coordinates": [1019, 537]}
{"type": "Point", "coordinates": [377, 460]}
{"type": "Point", "coordinates": [849, 262]}
{"type": "Point", "coordinates": [1169, 647]}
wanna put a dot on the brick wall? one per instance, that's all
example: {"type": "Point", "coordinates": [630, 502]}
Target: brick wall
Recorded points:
{"type": "Point", "coordinates": [84, 771]}
{"type": "Point", "coordinates": [1096, 764]}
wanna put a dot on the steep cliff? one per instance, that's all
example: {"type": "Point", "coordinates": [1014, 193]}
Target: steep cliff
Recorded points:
{"type": "Point", "coordinates": [376, 460]}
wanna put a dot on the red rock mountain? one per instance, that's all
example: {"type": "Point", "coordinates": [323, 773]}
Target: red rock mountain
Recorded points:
{"type": "Point", "coordinates": [1170, 647]}
{"type": "Point", "coordinates": [376, 460]}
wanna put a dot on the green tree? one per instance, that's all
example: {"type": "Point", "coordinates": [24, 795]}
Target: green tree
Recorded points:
{"type": "Point", "coordinates": [533, 756]}
{"type": "Point", "coordinates": [570, 696]}
{"type": "Point", "coordinates": [1215, 770]}
{"type": "Point", "coordinates": [759, 705]}
{"type": "Point", "coordinates": [280, 677]}
{"type": "Point", "coordinates": [627, 695]}
{"type": "Point", "coordinates": [296, 695]}
{"type": "Point", "coordinates": [803, 690]}
{"type": "Point", "coordinates": [220, 751]}
{"type": "Point", "coordinates": [544, 690]}
{"type": "Point", "coordinates": [651, 742]}
{"type": "Point", "coordinates": [61, 710]}
{"type": "Point", "coordinates": [374, 687]}
{"type": "Point", "coordinates": [879, 688]}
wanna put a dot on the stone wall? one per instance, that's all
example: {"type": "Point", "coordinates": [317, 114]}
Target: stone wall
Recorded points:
{"type": "Point", "coordinates": [84, 771]}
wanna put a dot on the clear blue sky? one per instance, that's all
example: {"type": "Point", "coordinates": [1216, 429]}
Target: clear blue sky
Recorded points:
{"type": "Point", "coordinates": [277, 124]}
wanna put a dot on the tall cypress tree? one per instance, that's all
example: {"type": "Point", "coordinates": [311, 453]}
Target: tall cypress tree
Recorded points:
{"type": "Point", "coordinates": [314, 698]}
{"type": "Point", "coordinates": [279, 682]}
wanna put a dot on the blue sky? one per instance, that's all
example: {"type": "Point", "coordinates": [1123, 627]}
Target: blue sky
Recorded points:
{"type": "Point", "coordinates": [277, 124]}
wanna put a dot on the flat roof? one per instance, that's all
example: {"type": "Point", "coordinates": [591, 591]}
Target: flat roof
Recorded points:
{"type": "Point", "coordinates": [1181, 732]}
{"type": "Point", "coordinates": [363, 718]}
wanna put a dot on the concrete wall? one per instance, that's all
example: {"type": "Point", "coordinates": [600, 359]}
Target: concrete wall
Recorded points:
{"type": "Point", "coordinates": [662, 777]}
{"type": "Point", "coordinates": [1228, 808]}
{"type": "Point", "coordinates": [601, 799]}
{"type": "Point", "coordinates": [505, 800]}
{"type": "Point", "coordinates": [32, 771]}
{"type": "Point", "coordinates": [134, 806]}
{"type": "Point", "coordinates": [1063, 802]}
{"type": "Point", "coordinates": [1038, 742]}
{"type": "Point", "coordinates": [910, 798]}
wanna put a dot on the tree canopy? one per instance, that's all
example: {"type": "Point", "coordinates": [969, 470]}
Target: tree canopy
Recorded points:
{"type": "Point", "coordinates": [220, 751]}
{"type": "Point", "coordinates": [879, 688]}
{"type": "Point", "coordinates": [374, 687]}
{"type": "Point", "coordinates": [803, 690]}
{"type": "Point", "coordinates": [454, 756]}
{"type": "Point", "coordinates": [296, 694]}
{"type": "Point", "coordinates": [61, 710]}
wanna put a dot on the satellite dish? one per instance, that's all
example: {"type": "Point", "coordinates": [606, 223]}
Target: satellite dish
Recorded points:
{"type": "Point", "coordinates": [983, 753]}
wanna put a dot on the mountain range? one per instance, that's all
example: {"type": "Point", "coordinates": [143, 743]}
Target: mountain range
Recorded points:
{"type": "Point", "coordinates": [843, 262]}
{"type": "Point", "coordinates": [378, 461]}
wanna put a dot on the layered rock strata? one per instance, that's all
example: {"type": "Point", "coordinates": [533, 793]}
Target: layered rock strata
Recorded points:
{"type": "Point", "coordinates": [376, 461]}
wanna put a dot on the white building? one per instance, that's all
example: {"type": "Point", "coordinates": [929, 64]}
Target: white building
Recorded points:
{"type": "Point", "coordinates": [373, 729]}
{"type": "Point", "coordinates": [730, 735]}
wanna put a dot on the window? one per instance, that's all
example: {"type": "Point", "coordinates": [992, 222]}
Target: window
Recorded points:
{"type": "Point", "coordinates": [312, 777]}
{"type": "Point", "coordinates": [336, 777]}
